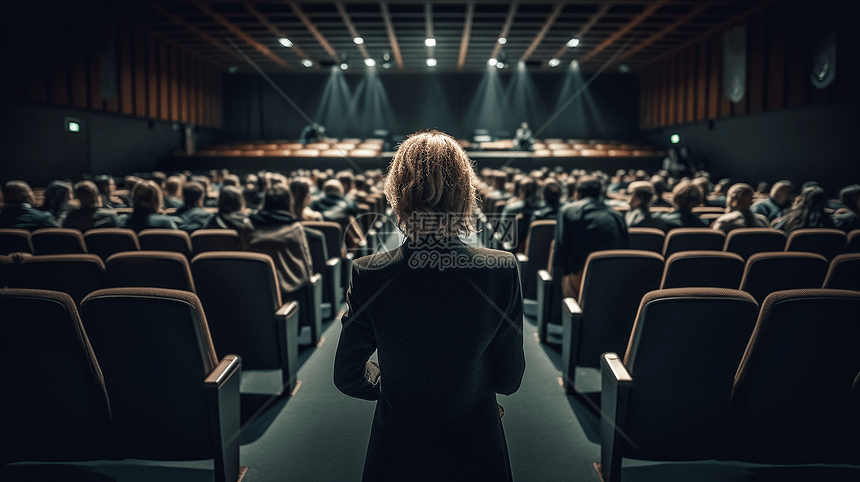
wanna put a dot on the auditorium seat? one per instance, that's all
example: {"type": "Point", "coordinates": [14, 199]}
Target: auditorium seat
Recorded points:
{"type": "Point", "coordinates": [646, 239]}
{"type": "Point", "coordinates": [77, 275]}
{"type": "Point", "coordinates": [174, 240]}
{"type": "Point", "coordinates": [795, 397]}
{"type": "Point", "coordinates": [363, 153]}
{"type": "Point", "coordinates": [149, 269]}
{"type": "Point", "coordinates": [766, 273]}
{"type": "Point", "coordinates": [246, 314]}
{"type": "Point", "coordinates": [565, 153]}
{"type": "Point", "coordinates": [319, 146]}
{"type": "Point", "coordinates": [319, 261]}
{"type": "Point", "coordinates": [826, 242]}
{"type": "Point", "coordinates": [182, 404]}
{"type": "Point", "coordinates": [306, 153]}
{"type": "Point", "coordinates": [57, 241]}
{"type": "Point", "coordinates": [339, 265]}
{"type": "Point", "coordinates": [107, 241]}
{"type": "Point", "coordinates": [613, 284]}
{"type": "Point", "coordinates": [709, 209]}
{"type": "Point", "coordinates": [853, 245]}
{"type": "Point", "coordinates": [703, 269]}
{"type": "Point", "coordinates": [844, 273]}
{"type": "Point", "coordinates": [749, 241]}
{"type": "Point", "coordinates": [55, 406]}
{"type": "Point", "coordinates": [668, 392]}
{"type": "Point", "coordinates": [205, 240]}
{"type": "Point", "coordinates": [693, 239]}
{"type": "Point", "coordinates": [13, 240]}
{"type": "Point", "coordinates": [536, 257]}
{"type": "Point", "coordinates": [541, 152]}
{"type": "Point", "coordinates": [8, 271]}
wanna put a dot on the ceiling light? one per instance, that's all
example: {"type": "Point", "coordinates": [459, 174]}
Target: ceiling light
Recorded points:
{"type": "Point", "coordinates": [521, 65]}
{"type": "Point", "coordinates": [358, 40]}
{"type": "Point", "coordinates": [386, 65]}
{"type": "Point", "coordinates": [492, 62]}
{"type": "Point", "coordinates": [500, 65]}
{"type": "Point", "coordinates": [554, 62]}
{"type": "Point", "coordinates": [624, 68]}
{"type": "Point", "coordinates": [573, 42]}
{"type": "Point", "coordinates": [386, 56]}
{"type": "Point", "coordinates": [431, 62]}
{"type": "Point", "coordinates": [307, 63]}
{"type": "Point", "coordinates": [344, 66]}
{"type": "Point", "coordinates": [285, 42]}
{"type": "Point", "coordinates": [369, 62]}
{"type": "Point", "coordinates": [430, 42]}
{"type": "Point", "coordinates": [503, 40]}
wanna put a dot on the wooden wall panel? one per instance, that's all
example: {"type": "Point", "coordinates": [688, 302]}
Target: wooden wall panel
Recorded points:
{"type": "Point", "coordinates": [690, 103]}
{"type": "Point", "coordinates": [199, 91]}
{"type": "Point", "coordinates": [152, 79]}
{"type": "Point", "coordinates": [60, 82]}
{"type": "Point", "coordinates": [671, 90]}
{"type": "Point", "coordinates": [776, 68]}
{"type": "Point", "coordinates": [95, 80]}
{"type": "Point", "coordinates": [163, 83]}
{"type": "Point", "coordinates": [702, 81]}
{"type": "Point", "coordinates": [140, 59]}
{"type": "Point", "coordinates": [192, 91]}
{"type": "Point", "coordinates": [663, 79]}
{"type": "Point", "coordinates": [680, 87]}
{"type": "Point", "coordinates": [183, 86]}
{"type": "Point", "coordinates": [126, 81]}
{"type": "Point", "coordinates": [757, 35]}
{"type": "Point", "coordinates": [714, 81]}
{"type": "Point", "coordinates": [797, 73]}
{"type": "Point", "coordinates": [174, 85]}
{"type": "Point", "coordinates": [79, 79]}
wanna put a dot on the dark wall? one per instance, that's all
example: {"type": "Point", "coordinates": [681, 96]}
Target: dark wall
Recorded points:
{"type": "Point", "coordinates": [816, 143]}
{"type": "Point", "coordinates": [354, 104]}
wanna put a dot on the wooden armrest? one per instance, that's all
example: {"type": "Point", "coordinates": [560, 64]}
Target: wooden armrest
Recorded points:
{"type": "Point", "coordinates": [229, 365]}
{"type": "Point", "coordinates": [613, 365]}
{"type": "Point", "coordinates": [287, 310]}
{"type": "Point", "coordinates": [316, 279]}
{"type": "Point", "coordinates": [333, 262]}
{"type": "Point", "coordinates": [522, 258]}
{"type": "Point", "coordinates": [572, 306]}
{"type": "Point", "coordinates": [544, 275]}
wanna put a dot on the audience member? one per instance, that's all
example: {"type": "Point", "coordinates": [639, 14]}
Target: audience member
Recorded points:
{"type": "Point", "coordinates": [333, 205]}
{"type": "Point", "coordinates": [18, 210]}
{"type": "Point", "coordinates": [739, 199]}
{"type": "Point", "coordinates": [850, 198]}
{"type": "Point", "coordinates": [107, 190]}
{"type": "Point", "coordinates": [639, 215]}
{"type": "Point", "coordinates": [230, 215]}
{"type": "Point", "coordinates": [57, 197]}
{"type": "Point", "coordinates": [90, 214]}
{"type": "Point", "coordinates": [777, 204]}
{"type": "Point", "coordinates": [551, 194]}
{"type": "Point", "coordinates": [300, 189]}
{"type": "Point", "coordinates": [192, 215]}
{"type": "Point", "coordinates": [807, 211]}
{"type": "Point", "coordinates": [685, 196]}
{"type": "Point", "coordinates": [147, 203]}
{"type": "Point", "coordinates": [173, 192]}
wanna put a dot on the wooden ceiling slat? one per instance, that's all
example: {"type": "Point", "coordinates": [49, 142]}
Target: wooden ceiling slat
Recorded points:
{"type": "Point", "coordinates": [592, 21]}
{"type": "Point", "coordinates": [241, 34]}
{"type": "Point", "coordinates": [467, 32]}
{"type": "Point", "coordinates": [428, 19]}
{"type": "Point", "coordinates": [649, 10]}
{"type": "Point", "coordinates": [506, 28]}
{"type": "Point", "coordinates": [662, 33]}
{"type": "Point", "coordinates": [306, 21]}
{"type": "Point", "coordinates": [392, 36]}
{"type": "Point", "coordinates": [275, 30]}
{"type": "Point", "coordinates": [351, 27]}
{"type": "Point", "coordinates": [556, 10]}
{"type": "Point", "coordinates": [191, 28]}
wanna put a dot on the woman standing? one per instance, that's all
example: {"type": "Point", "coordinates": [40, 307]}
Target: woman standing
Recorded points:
{"type": "Point", "coordinates": [446, 321]}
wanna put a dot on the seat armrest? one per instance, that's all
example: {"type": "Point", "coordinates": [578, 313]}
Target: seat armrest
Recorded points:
{"type": "Point", "coordinates": [287, 310]}
{"type": "Point", "coordinates": [614, 397]}
{"type": "Point", "coordinates": [543, 275]}
{"type": "Point", "coordinates": [571, 318]}
{"type": "Point", "coordinates": [613, 369]}
{"type": "Point", "coordinates": [229, 366]}
{"type": "Point", "coordinates": [315, 279]}
{"type": "Point", "coordinates": [571, 307]}
{"type": "Point", "coordinates": [522, 258]}
{"type": "Point", "coordinates": [544, 300]}
{"type": "Point", "coordinates": [333, 262]}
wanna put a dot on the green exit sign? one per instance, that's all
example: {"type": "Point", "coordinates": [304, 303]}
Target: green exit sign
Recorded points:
{"type": "Point", "coordinates": [73, 124]}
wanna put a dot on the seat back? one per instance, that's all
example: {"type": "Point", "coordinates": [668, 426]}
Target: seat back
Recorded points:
{"type": "Point", "coordinates": [766, 273]}
{"type": "Point", "coordinates": [844, 273]}
{"type": "Point", "coordinates": [155, 352]}
{"type": "Point", "coordinates": [703, 269]}
{"type": "Point", "coordinates": [240, 294]}
{"type": "Point", "coordinates": [14, 240]}
{"type": "Point", "coordinates": [55, 406]}
{"type": "Point", "coordinates": [205, 240]}
{"type": "Point", "coordinates": [333, 236]}
{"type": "Point", "coordinates": [826, 242]}
{"type": "Point", "coordinates": [613, 284]}
{"type": "Point", "coordinates": [8, 271]}
{"type": "Point", "coordinates": [540, 235]}
{"type": "Point", "coordinates": [749, 241]}
{"type": "Point", "coordinates": [149, 269]}
{"type": "Point", "coordinates": [683, 354]}
{"type": "Point", "coordinates": [853, 245]}
{"type": "Point", "coordinates": [58, 241]}
{"type": "Point", "coordinates": [317, 248]}
{"type": "Point", "coordinates": [174, 240]}
{"type": "Point", "coordinates": [811, 335]}
{"type": "Point", "coordinates": [647, 239]}
{"type": "Point", "coordinates": [77, 275]}
{"type": "Point", "coordinates": [107, 241]}
{"type": "Point", "coordinates": [693, 239]}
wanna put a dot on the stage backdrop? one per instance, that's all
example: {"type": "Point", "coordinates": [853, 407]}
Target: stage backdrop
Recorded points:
{"type": "Point", "coordinates": [354, 104]}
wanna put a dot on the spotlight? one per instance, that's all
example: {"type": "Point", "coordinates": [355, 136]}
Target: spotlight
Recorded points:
{"type": "Point", "coordinates": [307, 63]}
{"type": "Point", "coordinates": [503, 40]}
{"type": "Point", "coordinates": [431, 62]}
{"type": "Point", "coordinates": [554, 62]}
{"type": "Point", "coordinates": [624, 68]}
{"type": "Point", "coordinates": [430, 42]}
{"type": "Point", "coordinates": [521, 65]}
{"type": "Point", "coordinates": [386, 56]}
{"type": "Point", "coordinates": [369, 62]}
{"type": "Point", "coordinates": [675, 138]}
{"type": "Point", "coordinates": [573, 42]}
{"type": "Point", "coordinates": [492, 62]}
{"type": "Point", "coordinates": [358, 40]}
{"type": "Point", "coordinates": [500, 65]}
{"type": "Point", "coordinates": [285, 42]}
{"type": "Point", "coordinates": [233, 69]}
{"type": "Point", "coordinates": [386, 65]}
{"type": "Point", "coordinates": [574, 64]}
{"type": "Point", "coordinates": [344, 66]}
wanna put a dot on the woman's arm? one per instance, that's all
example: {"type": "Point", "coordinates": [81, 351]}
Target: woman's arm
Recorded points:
{"type": "Point", "coordinates": [506, 349]}
{"type": "Point", "coordinates": [357, 343]}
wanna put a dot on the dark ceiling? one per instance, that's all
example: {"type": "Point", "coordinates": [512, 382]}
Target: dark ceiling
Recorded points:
{"type": "Point", "coordinates": [466, 32]}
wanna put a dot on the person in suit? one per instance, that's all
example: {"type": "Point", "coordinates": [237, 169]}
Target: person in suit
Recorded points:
{"type": "Point", "coordinates": [445, 319]}
{"type": "Point", "coordinates": [639, 215]}
{"type": "Point", "coordinates": [584, 226]}
{"type": "Point", "coordinates": [777, 204]}
{"type": "Point", "coordinates": [850, 219]}
{"type": "Point", "coordinates": [18, 210]}
{"type": "Point", "coordinates": [90, 214]}
{"type": "Point", "coordinates": [334, 205]}
{"type": "Point", "coordinates": [551, 195]}
{"type": "Point", "coordinates": [192, 216]}
{"type": "Point", "coordinates": [148, 201]}
{"type": "Point", "coordinates": [231, 211]}
{"type": "Point", "coordinates": [685, 196]}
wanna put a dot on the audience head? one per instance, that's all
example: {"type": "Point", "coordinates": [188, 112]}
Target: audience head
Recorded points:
{"type": "Point", "coordinates": [16, 193]}
{"type": "Point", "coordinates": [300, 189]}
{"type": "Point", "coordinates": [347, 179]}
{"type": "Point", "coordinates": [57, 195]}
{"type": "Point", "coordinates": [762, 187]}
{"type": "Point", "coordinates": [230, 200]}
{"type": "Point", "coordinates": [148, 197]}
{"type": "Point", "coordinates": [686, 196]}
{"type": "Point", "coordinates": [641, 193]}
{"type": "Point", "coordinates": [160, 178]}
{"type": "Point", "coordinates": [739, 197]}
{"type": "Point", "coordinates": [105, 183]}
{"type": "Point", "coordinates": [527, 189]}
{"type": "Point", "coordinates": [551, 192]}
{"type": "Point", "coordinates": [173, 186]}
{"type": "Point", "coordinates": [333, 186]}
{"type": "Point", "coordinates": [278, 198]}
{"type": "Point", "coordinates": [850, 197]}
{"type": "Point", "coordinates": [703, 184]}
{"type": "Point", "coordinates": [88, 194]}
{"type": "Point", "coordinates": [588, 186]}
{"type": "Point", "coordinates": [781, 192]}
{"type": "Point", "coordinates": [193, 193]}
{"type": "Point", "coordinates": [431, 174]}
{"type": "Point", "coordinates": [232, 180]}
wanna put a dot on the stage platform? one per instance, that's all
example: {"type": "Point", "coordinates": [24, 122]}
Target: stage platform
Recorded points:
{"type": "Point", "coordinates": [492, 159]}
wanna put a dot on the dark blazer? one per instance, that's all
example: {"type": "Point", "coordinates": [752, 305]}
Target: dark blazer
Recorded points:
{"type": "Point", "coordinates": [27, 217]}
{"type": "Point", "coordinates": [448, 340]}
{"type": "Point", "coordinates": [84, 219]}
{"type": "Point", "coordinates": [193, 218]}
{"type": "Point", "coordinates": [683, 219]}
{"type": "Point", "coordinates": [585, 226]}
{"type": "Point", "coordinates": [138, 221]}
{"type": "Point", "coordinates": [335, 208]}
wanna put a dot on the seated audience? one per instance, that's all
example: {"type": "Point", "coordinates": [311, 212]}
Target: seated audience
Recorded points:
{"type": "Point", "coordinates": [639, 215]}
{"type": "Point", "coordinates": [333, 205]}
{"type": "Point", "coordinates": [807, 211]}
{"type": "Point", "coordinates": [57, 197]}
{"type": "Point", "coordinates": [585, 225]}
{"type": "Point", "coordinates": [148, 199]}
{"type": "Point", "coordinates": [173, 193]}
{"type": "Point", "coordinates": [777, 204]}
{"type": "Point", "coordinates": [739, 199]}
{"type": "Point", "coordinates": [107, 190]}
{"type": "Point", "coordinates": [231, 211]}
{"type": "Point", "coordinates": [192, 215]}
{"type": "Point", "coordinates": [685, 197]}
{"type": "Point", "coordinates": [551, 194]}
{"type": "Point", "coordinates": [90, 214]}
{"type": "Point", "coordinates": [301, 190]}
{"type": "Point", "coordinates": [850, 198]}
{"type": "Point", "coordinates": [18, 210]}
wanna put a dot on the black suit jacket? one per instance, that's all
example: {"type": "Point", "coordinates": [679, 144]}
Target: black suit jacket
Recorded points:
{"type": "Point", "coordinates": [586, 226]}
{"type": "Point", "coordinates": [448, 341]}
{"type": "Point", "coordinates": [27, 217]}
